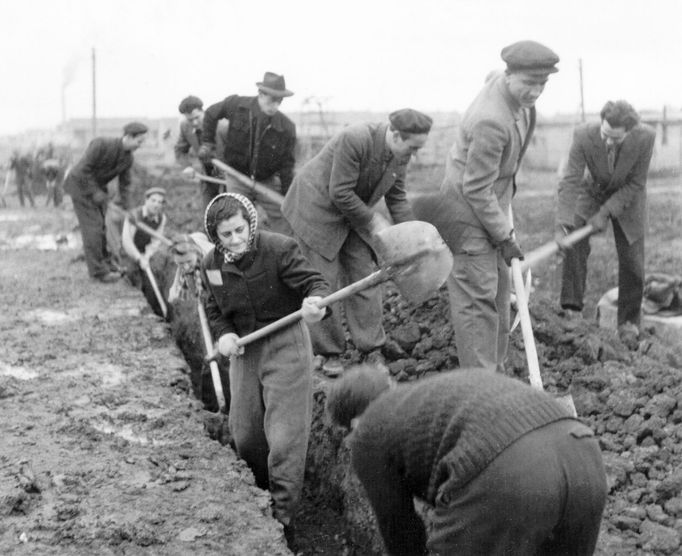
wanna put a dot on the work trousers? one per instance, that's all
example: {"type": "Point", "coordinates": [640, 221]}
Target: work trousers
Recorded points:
{"type": "Point", "coordinates": [363, 310]}
{"type": "Point", "coordinates": [630, 274]}
{"type": "Point", "coordinates": [479, 291]}
{"type": "Point", "coordinates": [91, 221]}
{"type": "Point", "coordinates": [25, 187]}
{"type": "Point", "coordinates": [543, 495]}
{"type": "Point", "coordinates": [271, 411]}
{"type": "Point", "coordinates": [113, 224]}
{"type": "Point", "coordinates": [269, 210]}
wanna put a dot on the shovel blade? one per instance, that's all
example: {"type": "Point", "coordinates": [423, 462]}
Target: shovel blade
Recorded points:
{"type": "Point", "coordinates": [430, 260]}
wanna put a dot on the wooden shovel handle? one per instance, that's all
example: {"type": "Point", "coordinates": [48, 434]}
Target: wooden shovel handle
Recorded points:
{"type": "Point", "coordinates": [548, 249]}
{"type": "Point", "coordinates": [248, 182]}
{"type": "Point", "coordinates": [213, 366]}
{"type": "Point", "coordinates": [157, 292]}
{"type": "Point", "coordinates": [373, 279]}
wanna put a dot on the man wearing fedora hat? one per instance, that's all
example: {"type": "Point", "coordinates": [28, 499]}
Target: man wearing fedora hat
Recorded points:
{"type": "Point", "coordinates": [329, 208]}
{"type": "Point", "coordinates": [260, 143]}
{"type": "Point", "coordinates": [479, 183]}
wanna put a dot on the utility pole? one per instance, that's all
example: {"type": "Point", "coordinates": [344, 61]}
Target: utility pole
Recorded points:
{"type": "Point", "coordinates": [94, 96]}
{"type": "Point", "coordinates": [582, 94]}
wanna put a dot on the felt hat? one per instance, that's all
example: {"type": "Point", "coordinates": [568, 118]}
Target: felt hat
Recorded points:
{"type": "Point", "coordinates": [530, 57]}
{"type": "Point", "coordinates": [273, 85]}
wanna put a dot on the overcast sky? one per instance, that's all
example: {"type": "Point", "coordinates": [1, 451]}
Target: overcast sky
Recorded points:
{"type": "Point", "coordinates": [352, 54]}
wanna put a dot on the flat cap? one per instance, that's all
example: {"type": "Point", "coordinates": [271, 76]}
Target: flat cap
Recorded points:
{"type": "Point", "coordinates": [135, 128]}
{"type": "Point", "coordinates": [530, 56]}
{"type": "Point", "coordinates": [408, 120]}
{"type": "Point", "coordinates": [155, 190]}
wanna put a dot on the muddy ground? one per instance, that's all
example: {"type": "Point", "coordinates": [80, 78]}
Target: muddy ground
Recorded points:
{"type": "Point", "coordinates": [632, 399]}
{"type": "Point", "coordinates": [103, 448]}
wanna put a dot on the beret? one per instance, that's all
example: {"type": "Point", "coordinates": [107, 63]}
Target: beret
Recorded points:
{"type": "Point", "coordinates": [135, 128]}
{"type": "Point", "coordinates": [530, 56]}
{"type": "Point", "coordinates": [408, 120]}
{"type": "Point", "coordinates": [155, 190]}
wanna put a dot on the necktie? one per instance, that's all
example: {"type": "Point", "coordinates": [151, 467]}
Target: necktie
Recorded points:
{"type": "Point", "coordinates": [611, 157]}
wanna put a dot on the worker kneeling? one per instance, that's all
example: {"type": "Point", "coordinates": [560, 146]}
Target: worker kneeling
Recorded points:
{"type": "Point", "coordinates": [505, 468]}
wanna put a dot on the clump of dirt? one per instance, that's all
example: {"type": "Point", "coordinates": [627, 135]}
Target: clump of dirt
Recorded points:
{"type": "Point", "coordinates": [632, 399]}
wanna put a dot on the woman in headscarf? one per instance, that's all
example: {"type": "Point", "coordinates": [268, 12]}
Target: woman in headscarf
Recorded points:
{"type": "Point", "coordinates": [253, 278]}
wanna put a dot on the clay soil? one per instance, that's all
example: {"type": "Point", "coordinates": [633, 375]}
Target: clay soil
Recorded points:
{"type": "Point", "coordinates": [102, 444]}
{"type": "Point", "coordinates": [106, 449]}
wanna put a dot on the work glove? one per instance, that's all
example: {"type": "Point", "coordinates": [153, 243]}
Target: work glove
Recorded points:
{"type": "Point", "coordinates": [311, 311]}
{"type": "Point", "coordinates": [227, 345]}
{"type": "Point", "coordinates": [599, 221]}
{"type": "Point", "coordinates": [509, 250]}
{"type": "Point", "coordinates": [205, 153]}
{"type": "Point", "coordinates": [100, 198]}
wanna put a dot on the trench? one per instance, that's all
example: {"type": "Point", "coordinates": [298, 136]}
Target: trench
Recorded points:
{"type": "Point", "coordinates": [333, 517]}
{"type": "Point", "coordinates": [631, 399]}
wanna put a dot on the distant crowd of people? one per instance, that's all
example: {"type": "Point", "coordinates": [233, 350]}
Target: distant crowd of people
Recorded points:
{"type": "Point", "coordinates": [507, 469]}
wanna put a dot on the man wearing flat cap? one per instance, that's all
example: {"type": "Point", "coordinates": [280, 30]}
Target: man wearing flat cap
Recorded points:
{"type": "Point", "coordinates": [479, 183]}
{"type": "Point", "coordinates": [329, 208]}
{"type": "Point", "coordinates": [105, 159]}
{"type": "Point", "coordinates": [260, 144]}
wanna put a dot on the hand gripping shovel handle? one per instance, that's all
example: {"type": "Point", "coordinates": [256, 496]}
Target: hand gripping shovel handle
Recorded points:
{"type": "Point", "coordinates": [548, 249]}
{"type": "Point", "coordinates": [373, 279]}
{"type": "Point", "coordinates": [213, 366]}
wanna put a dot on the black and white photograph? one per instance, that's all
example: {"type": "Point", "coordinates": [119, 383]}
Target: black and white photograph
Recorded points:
{"type": "Point", "coordinates": [351, 278]}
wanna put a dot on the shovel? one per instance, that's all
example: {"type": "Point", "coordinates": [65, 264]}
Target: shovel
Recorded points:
{"type": "Point", "coordinates": [157, 293]}
{"type": "Point", "coordinates": [213, 366]}
{"type": "Point", "coordinates": [527, 327]}
{"type": "Point", "coordinates": [413, 255]}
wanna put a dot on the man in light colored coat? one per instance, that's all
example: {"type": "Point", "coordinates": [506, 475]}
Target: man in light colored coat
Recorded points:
{"type": "Point", "coordinates": [616, 153]}
{"type": "Point", "coordinates": [329, 208]}
{"type": "Point", "coordinates": [479, 183]}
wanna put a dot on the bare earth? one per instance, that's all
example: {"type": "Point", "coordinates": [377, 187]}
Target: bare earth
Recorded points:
{"type": "Point", "coordinates": [102, 446]}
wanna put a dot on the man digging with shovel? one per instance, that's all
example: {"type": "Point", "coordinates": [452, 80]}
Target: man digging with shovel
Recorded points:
{"type": "Point", "coordinates": [329, 207]}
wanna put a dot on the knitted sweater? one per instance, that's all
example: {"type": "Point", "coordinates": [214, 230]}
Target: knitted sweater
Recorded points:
{"type": "Point", "coordinates": [450, 428]}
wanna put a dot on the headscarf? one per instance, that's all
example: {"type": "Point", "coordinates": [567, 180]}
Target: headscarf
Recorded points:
{"type": "Point", "coordinates": [212, 218]}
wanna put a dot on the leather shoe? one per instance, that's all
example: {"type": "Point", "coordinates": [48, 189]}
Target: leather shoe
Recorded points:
{"type": "Point", "coordinates": [109, 278]}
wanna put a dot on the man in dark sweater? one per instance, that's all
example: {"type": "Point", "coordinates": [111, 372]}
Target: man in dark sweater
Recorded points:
{"type": "Point", "coordinates": [505, 468]}
{"type": "Point", "coordinates": [105, 159]}
{"type": "Point", "coordinates": [260, 144]}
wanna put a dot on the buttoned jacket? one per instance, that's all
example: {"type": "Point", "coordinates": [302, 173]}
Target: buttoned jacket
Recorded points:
{"type": "Point", "coordinates": [482, 163]}
{"type": "Point", "coordinates": [587, 184]}
{"type": "Point", "coordinates": [336, 190]}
